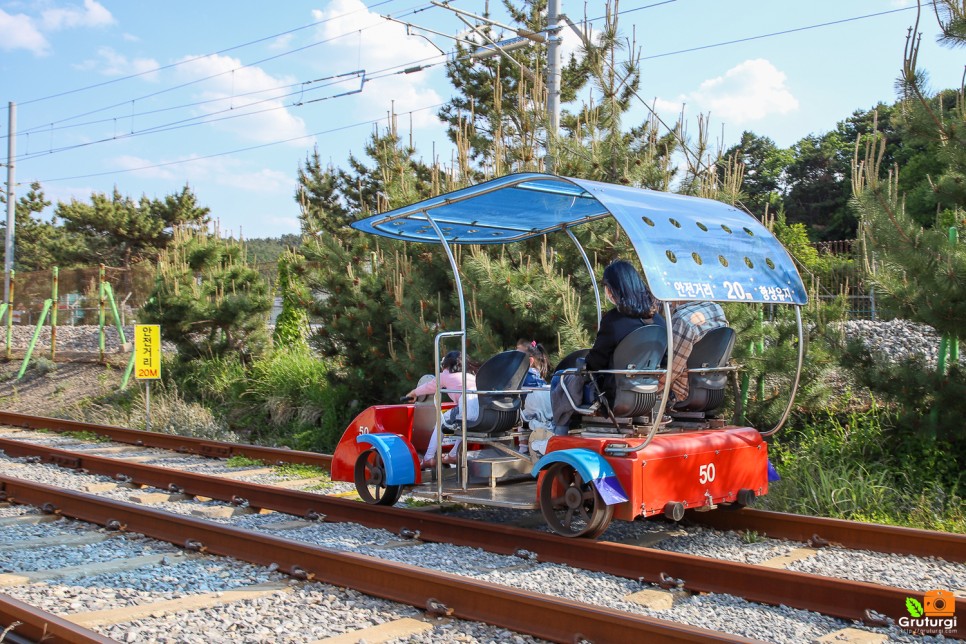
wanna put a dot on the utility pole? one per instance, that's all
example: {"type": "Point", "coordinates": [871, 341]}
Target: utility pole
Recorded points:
{"type": "Point", "coordinates": [11, 206]}
{"type": "Point", "coordinates": [553, 65]}
{"type": "Point", "coordinates": [552, 40]}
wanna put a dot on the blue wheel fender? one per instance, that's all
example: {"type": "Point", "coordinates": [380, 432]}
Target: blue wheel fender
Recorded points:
{"type": "Point", "coordinates": [396, 454]}
{"type": "Point", "coordinates": [592, 467]}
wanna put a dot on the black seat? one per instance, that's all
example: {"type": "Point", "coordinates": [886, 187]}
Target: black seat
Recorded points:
{"type": "Point", "coordinates": [424, 417]}
{"type": "Point", "coordinates": [499, 413]}
{"type": "Point", "coordinates": [570, 360]}
{"type": "Point", "coordinates": [642, 349]}
{"type": "Point", "coordinates": [706, 391]}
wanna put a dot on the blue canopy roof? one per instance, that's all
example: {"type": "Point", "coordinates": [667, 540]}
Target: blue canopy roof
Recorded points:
{"type": "Point", "coordinates": [690, 248]}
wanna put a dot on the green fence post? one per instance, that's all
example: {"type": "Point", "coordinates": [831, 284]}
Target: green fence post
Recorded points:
{"type": "Point", "coordinates": [33, 341]}
{"type": "Point", "coordinates": [53, 317]}
{"type": "Point", "coordinates": [761, 351]}
{"type": "Point", "coordinates": [953, 342]}
{"type": "Point", "coordinates": [127, 372]}
{"type": "Point", "coordinates": [100, 311]}
{"type": "Point", "coordinates": [117, 318]}
{"type": "Point", "coordinates": [10, 317]}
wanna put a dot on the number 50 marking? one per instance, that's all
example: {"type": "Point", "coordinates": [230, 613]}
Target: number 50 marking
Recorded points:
{"type": "Point", "coordinates": [706, 473]}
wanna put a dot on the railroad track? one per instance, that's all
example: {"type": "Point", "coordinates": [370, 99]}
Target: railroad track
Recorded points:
{"type": "Point", "coordinates": [814, 531]}
{"type": "Point", "coordinates": [849, 600]}
{"type": "Point", "coordinates": [440, 594]}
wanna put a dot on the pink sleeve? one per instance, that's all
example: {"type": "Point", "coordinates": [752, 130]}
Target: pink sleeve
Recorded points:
{"type": "Point", "coordinates": [425, 389]}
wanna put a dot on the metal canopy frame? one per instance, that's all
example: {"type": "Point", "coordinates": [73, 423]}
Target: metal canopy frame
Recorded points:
{"type": "Point", "coordinates": [690, 248]}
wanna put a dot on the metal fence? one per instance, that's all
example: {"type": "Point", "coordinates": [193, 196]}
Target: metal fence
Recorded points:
{"type": "Point", "coordinates": [842, 274]}
{"type": "Point", "coordinates": [77, 291]}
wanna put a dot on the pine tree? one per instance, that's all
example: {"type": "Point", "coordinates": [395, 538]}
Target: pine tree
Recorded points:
{"type": "Point", "coordinates": [207, 299]}
{"type": "Point", "coordinates": [379, 303]}
{"type": "Point", "coordinates": [36, 241]}
{"type": "Point", "coordinates": [292, 324]}
{"type": "Point", "coordinates": [118, 231]}
{"type": "Point", "coordinates": [919, 271]}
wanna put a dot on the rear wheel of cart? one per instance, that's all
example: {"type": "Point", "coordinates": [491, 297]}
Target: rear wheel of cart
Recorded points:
{"type": "Point", "coordinates": [571, 506]}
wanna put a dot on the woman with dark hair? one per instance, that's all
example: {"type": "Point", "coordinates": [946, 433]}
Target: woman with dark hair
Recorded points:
{"type": "Point", "coordinates": [451, 375]}
{"type": "Point", "coordinates": [634, 307]}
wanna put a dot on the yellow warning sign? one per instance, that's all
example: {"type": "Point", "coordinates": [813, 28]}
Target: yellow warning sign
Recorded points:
{"type": "Point", "coordinates": [147, 351]}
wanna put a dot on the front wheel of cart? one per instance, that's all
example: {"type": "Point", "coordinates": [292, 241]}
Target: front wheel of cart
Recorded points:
{"type": "Point", "coordinates": [370, 480]}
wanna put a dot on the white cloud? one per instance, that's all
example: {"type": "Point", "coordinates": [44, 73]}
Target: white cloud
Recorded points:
{"type": "Point", "coordinates": [223, 171]}
{"type": "Point", "coordinates": [369, 41]}
{"type": "Point", "coordinates": [265, 180]}
{"type": "Point", "coordinates": [19, 32]}
{"type": "Point", "coordinates": [244, 90]}
{"type": "Point", "coordinates": [111, 63]}
{"type": "Point", "coordinates": [94, 14]}
{"type": "Point", "coordinates": [748, 92]}
{"type": "Point", "coordinates": [142, 168]}
{"type": "Point", "coordinates": [282, 43]}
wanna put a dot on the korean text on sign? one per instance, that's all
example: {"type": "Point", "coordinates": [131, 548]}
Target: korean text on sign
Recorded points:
{"type": "Point", "coordinates": [147, 351]}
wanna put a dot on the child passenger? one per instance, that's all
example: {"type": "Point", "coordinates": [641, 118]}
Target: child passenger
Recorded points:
{"type": "Point", "coordinates": [539, 364]}
{"type": "Point", "coordinates": [536, 405]}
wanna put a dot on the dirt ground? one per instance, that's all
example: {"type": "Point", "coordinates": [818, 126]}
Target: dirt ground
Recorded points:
{"type": "Point", "coordinates": [50, 389]}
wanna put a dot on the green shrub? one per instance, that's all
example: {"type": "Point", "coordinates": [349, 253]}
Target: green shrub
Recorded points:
{"type": "Point", "coordinates": [292, 390]}
{"type": "Point", "coordinates": [852, 466]}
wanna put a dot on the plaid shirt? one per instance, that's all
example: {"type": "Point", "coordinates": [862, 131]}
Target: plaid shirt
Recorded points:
{"type": "Point", "coordinates": [690, 321]}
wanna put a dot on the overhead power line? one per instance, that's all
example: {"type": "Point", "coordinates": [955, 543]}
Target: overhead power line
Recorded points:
{"type": "Point", "coordinates": [235, 151]}
{"type": "Point", "coordinates": [195, 58]}
{"type": "Point", "coordinates": [204, 78]}
{"type": "Point", "coordinates": [409, 67]}
{"type": "Point", "coordinates": [776, 33]}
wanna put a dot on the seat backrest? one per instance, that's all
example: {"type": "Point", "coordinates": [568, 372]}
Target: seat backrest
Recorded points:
{"type": "Point", "coordinates": [642, 348]}
{"type": "Point", "coordinates": [499, 412]}
{"type": "Point", "coordinates": [424, 417]}
{"type": "Point", "coordinates": [570, 360]}
{"type": "Point", "coordinates": [706, 390]}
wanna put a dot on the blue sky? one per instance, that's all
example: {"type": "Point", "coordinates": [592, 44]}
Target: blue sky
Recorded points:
{"type": "Point", "coordinates": [228, 96]}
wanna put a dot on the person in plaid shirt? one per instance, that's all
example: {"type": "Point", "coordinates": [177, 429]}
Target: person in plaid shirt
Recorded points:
{"type": "Point", "coordinates": [690, 321]}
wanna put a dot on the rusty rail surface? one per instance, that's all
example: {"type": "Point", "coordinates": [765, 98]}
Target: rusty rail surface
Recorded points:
{"type": "Point", "coordinates": [183, 444]}
{"type": "Point", "coordinates": [836, 597]}
{"type": "Point", "coordinates": [815, 530]}
{"type": "Point", "coordinates": [36, 625]}
{"type": "Point", "coordinates": [819, 531]}
{"type": "Point", "coordinates": [540, 615]}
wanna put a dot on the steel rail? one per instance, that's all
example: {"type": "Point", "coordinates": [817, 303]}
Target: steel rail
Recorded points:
{"type": "Point", "coordinates": [540, 615]}
{"type": "Point", "coordinates": [817, 530]}
{"type": "Point", "coordinates": [820, 531]}
{"type": "Point", "coordinates": [183, 444]}
{"type": "Point", "coordinates": [37, 625]}
{"type": "Point", "coordinates": [836, 597]}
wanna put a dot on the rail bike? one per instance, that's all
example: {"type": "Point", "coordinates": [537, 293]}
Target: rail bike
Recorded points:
{"type": "Point", "coordinates": [626, 463]}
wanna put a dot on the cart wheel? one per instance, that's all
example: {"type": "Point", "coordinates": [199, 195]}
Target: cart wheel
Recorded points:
{"type": "Point", "coordinates": [370, 479]}
{"type": "Point", "coordinates": [570, 506]}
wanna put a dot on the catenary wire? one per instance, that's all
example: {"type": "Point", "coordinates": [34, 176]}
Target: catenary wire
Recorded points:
{"type": "Point", "coordinates": [201, 57]}
{"type": "Point", "coordinates": [238, 150]}
{"type": "Point", "coordinates": [43, 128]}
{"type": "Point", "coordinates": [664, 54]}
